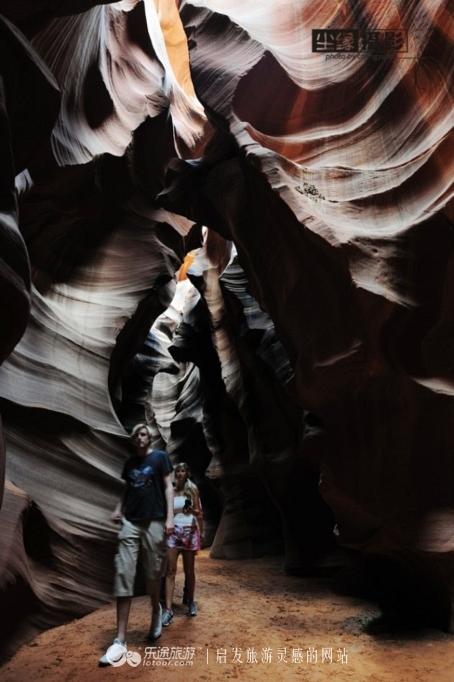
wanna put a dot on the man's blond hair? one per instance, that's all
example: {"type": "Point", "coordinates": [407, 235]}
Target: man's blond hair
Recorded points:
{"type": "Point", "coordinates": [138, 427]}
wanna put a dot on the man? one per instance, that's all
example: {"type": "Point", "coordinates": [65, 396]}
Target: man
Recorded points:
{"type": "Point", "coordinates": [146, 516]}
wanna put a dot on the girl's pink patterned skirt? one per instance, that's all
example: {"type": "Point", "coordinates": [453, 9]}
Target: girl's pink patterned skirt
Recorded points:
{"type": "Point", "coordinates": [185, 537]}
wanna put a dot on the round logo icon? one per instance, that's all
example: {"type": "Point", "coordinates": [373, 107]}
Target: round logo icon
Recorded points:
{"type": "Point", "coordinates": [133, 658]}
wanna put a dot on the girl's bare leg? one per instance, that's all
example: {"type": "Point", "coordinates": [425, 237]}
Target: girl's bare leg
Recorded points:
{"type": "Point", "coordinates": [189, 572]}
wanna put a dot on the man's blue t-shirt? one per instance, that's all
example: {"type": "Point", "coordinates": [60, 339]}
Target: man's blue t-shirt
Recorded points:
{"type": "Point", "coordinates": [144, 498]}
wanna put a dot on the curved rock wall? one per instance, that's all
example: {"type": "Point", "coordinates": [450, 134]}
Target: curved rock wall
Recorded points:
{"type": "Point", "coordinates": [332, 177]}
{"type": "Point", "coordinates": [357, 153]}
{"type": "Point", "coordinates": [103, 259]}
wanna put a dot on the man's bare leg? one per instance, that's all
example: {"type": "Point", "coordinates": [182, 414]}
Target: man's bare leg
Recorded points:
{"type": "Point", "coordinates": [172, 559]}
{"type": "Point", "coordinates": [155, 591]}
{"type": "Point", "coordinates": [123, 606]}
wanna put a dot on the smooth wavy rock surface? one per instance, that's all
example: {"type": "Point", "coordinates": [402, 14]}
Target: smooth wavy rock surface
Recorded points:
{"type": "Point", "coordinates": [116, 65]}
{"type": "Point", "coordinates": [332, 177]}
{"type": "Point", "coordinates": [358, 154]}
{"type": "Point", "coordinates": [103, 262]}
{"type": "Point", "coordinates": [65, 444]}
{"type": "Point", "coordinates": [17, 55]}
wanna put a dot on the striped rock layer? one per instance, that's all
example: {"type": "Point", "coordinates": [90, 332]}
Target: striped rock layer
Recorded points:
{"type": "Point", "coordinates": [318, 357]}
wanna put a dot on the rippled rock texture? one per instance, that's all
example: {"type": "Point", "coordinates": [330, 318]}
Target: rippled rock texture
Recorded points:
{"type": "Point", "coordinates": [103, 258]}
{"type": "Point", "coordinates": [358, 153]}
{"type": "Point", "coordinates": [321, 349]}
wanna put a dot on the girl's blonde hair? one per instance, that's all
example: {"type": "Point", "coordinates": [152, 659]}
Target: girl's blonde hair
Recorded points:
{"type": "Point", "coordinates": [189, 489]}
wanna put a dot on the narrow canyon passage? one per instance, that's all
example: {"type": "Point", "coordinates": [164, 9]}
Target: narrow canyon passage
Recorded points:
{"type": "Point", "coordinates": [230, 223]}
{"type": "Point", "coordinates": [254, 623]}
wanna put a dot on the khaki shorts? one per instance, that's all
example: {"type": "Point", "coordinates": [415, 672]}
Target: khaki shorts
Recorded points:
{"type": "Point", "coordinates": [149, 535]}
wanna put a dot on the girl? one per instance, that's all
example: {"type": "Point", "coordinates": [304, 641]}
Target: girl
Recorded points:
{"type": "Point", "coordinates": [188, 520]}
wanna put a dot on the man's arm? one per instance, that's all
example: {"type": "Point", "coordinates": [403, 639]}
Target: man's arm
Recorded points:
{"type": "Point", "coordinates": [117, 512]}
{"type": "Point", "coordinates": [168, 489]}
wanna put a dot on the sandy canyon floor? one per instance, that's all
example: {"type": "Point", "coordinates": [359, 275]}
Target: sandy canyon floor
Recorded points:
{"type": "Point", "coordinates": [254, 623]}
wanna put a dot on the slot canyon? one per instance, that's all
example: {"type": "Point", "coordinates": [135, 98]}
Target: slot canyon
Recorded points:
{"type": "Point", "coordinates": [216, 223]}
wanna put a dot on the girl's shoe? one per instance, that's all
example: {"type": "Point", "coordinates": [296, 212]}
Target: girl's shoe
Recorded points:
{"type": "Point", "coordinates": [192, 609]}
{"type": "Point", "coordinates": [167, 617]}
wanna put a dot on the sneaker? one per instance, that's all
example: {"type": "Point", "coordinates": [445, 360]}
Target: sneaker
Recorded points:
{"type": "Point", "coordinates": [115, 654]}
{"type": "Point", "coordinates": [156, 626]}
{"type": "Point", "coordinates": [167, 618]}
{"type": "Point", "coordinates": [192, 609]}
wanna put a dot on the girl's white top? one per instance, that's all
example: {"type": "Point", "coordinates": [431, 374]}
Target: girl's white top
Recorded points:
{"type": "Point", "coordinates": [181, 519]}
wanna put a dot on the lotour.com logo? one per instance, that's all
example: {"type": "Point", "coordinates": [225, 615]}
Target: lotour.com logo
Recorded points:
{"type": "Point", "coordinates": [133, 658]}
